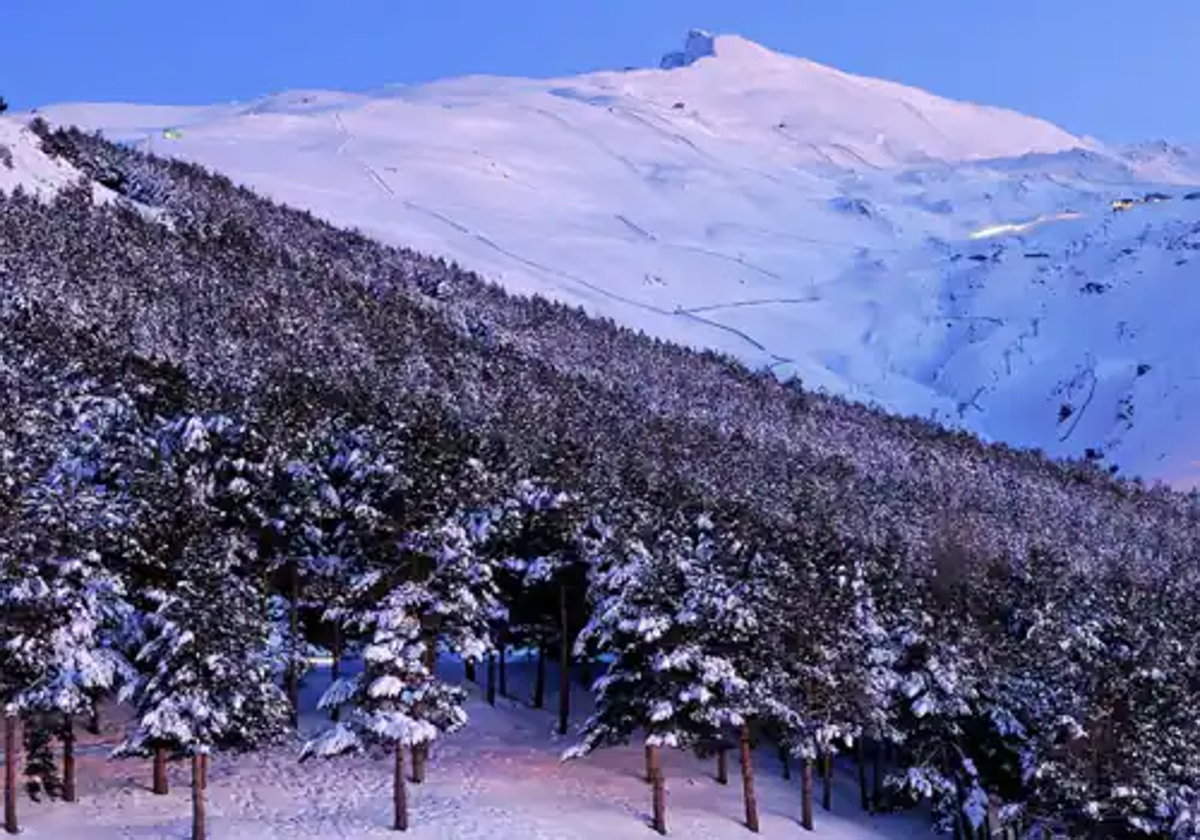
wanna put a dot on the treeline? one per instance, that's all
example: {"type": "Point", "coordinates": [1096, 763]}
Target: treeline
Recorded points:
{"type": "Point", "coordinates": [221, 411]}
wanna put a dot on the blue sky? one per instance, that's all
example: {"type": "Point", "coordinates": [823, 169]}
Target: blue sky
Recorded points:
{"type": "Point", "coordinates": [1110, 68]}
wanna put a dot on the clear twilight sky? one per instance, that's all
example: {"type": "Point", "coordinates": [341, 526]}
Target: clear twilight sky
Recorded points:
{"type": "Point", "coordinates": [1113, 69]}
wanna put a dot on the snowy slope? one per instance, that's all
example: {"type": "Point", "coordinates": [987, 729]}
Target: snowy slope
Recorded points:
{"type": "Point", "coordinates": [799, 217]}
{"type": "Point", "coordinates": [23, 164]}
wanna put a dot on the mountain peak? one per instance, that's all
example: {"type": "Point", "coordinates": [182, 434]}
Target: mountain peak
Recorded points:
{"type": "Point", "coordinates": [698, 44]}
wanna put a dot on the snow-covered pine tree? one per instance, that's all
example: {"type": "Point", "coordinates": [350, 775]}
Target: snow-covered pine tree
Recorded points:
{"type": "Point", "coordinates": [206, 677]}
{"type": "Point", "coordinates": [335, 517]}
{"type": "Point", "coordinates": [803, 689]}
{"type": "Point", "coordinates": [1122, 754]}
{"type": "Point", "coordinates": [396, 701]}
{"type": "Point", "coordinates": [202, 483]}
{"type": "Point", "coordinates": [656, 617]}
{"type": "Point", "coordinates": [726, 597]}
{"type": "Point", "coordinates": [867, 653]}
{"type": "Point", "coordinates": [64, 517]}
{"type": "Point", "coordinates": [442, 518]}
{"type": "Point", "coordinates": [328, 515]}
{"type": "Point", "coordinates": [540, 566]}
{"type": "Point", "coordinates": [435, 591]}
{"type": "Point", "coordinates": [76, 518]}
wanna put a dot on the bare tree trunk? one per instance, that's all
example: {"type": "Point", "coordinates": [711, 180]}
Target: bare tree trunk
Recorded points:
{"type": "Point", "coordinates": [469, 670]}
{"type": "Point", "coordinates": [503, 667]}
{"type": "Point", "coordinates": [420, 752]}
{"type": "Point", "coordinates": [68, 771]}
{"type": "Point", "coordinates": [10, 774]}
{"type": "Point", "coordinates": [748, 781]}
{"type": "Point", "coordinates": [722, 765]}
{"type": "Point", "coordinates": [293, 674]}
{"type": "Point", "coordinates": [806, 794]}
{"type": "Point", "coordinates": [160, 771]}
{"type": "Point", "coordinates": [491, 679]}
{"type": "Point", "coordinates": [827, 781]}
{"type": "Point", "coordinates": [420, 760]}
{"type": "Point", "coordinates": [335, 667]}
{"type": "Point", "coordinates": [198, 789]}
{"type": "Point", "coordinates": [564, 665]}
{"type": "Point", "coordinates": [539, 682]}
{"type": "Point", "coordinates": [659, 792]}
{"type": "Point", "coordinates": [399, 793]}
{"type": "Point", "coordinates": [651, 757]}
{"type": "Point", "coordinates": [860, 759]}
{"type": "Point", "coordinates": [877, 795]}
{"type": "Point", "coordinates": [93, 724]}
{"type": "Point", "coordinates": [785, 762]}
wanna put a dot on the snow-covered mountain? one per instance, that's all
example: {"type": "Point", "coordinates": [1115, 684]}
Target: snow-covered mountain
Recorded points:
{"type": "Point", "coordinates": [937, 257]}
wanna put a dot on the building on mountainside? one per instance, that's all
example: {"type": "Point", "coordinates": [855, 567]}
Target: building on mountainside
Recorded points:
{"type": "Point", "coordinates": [1123, 204]}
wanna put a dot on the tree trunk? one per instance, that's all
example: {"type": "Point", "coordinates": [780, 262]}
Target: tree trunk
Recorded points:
{"type": "Point", "coordinates": [659, 793]}
{"type": "Point", "coordinates": [10, 774]}
{"type": "Point", "coordinates": [861, 760]}
{"type": "Point", "coordinates": [335, 667]}
{"type": "Point", "coordinates": [160, 771]}
{"type": "Point", "coordinates": [421, 751]}
{"type": "Point", "coordinates": [564, 665]}
{"type": "Point", "coordinates": [748, 781]}
{"type": "Point", "coordinates": [68, 771]}
{"type": "Point", "coordinates": [503, 669]}
{"type": "Point", "coordinates": [785, 762]}
{"type": "Point", "coordinates": [93, 724]}
{"type": "Point", "coordinates": [806, 793]}
{"type": "Point", "coordinates": [539, 683]}
{"type": "Point", "coordinates": [651, 758]}
{"type": "Point", "coordinates": [293, 675]}
{"type": "Point", "coordinates": [399, 793]}
{"type": "Point", "coordinates": [722, 765]}
{"type": "Point", "coordinates": [420, 760]}
{"type": "Point", "coordinates": [469, 670]}
{"type": "Point", "coordinates": [877, 793]}
{"type": "Point", "coordinates": [198, 789]}
{"type": "Point", "coordinates": [827, 781]}
{"type": "Point", "coordinates": [491, 679]}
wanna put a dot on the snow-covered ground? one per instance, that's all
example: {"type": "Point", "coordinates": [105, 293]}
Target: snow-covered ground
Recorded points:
{"type": "Point", "coordinates": [801, 218]}
{"type": "Point", "coordinates": [500, 779]}
{"type": "Point", "coordinates": [24, 165]}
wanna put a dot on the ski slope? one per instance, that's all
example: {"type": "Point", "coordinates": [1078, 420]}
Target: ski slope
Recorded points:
{"type": "Point", "coordinates": [866, 236]}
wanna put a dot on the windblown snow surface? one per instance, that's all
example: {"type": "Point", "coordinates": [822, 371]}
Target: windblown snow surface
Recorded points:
{"type": "Point", "coordinates": [499, 779]}
{"type": "Point", "coordinates": [938, 258]}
